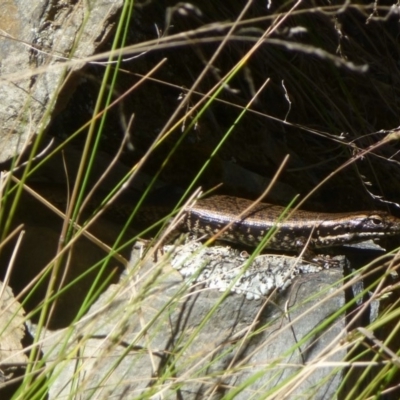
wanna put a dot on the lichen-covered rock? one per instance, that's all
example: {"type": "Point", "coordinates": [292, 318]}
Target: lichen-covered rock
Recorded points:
{"type": "Point", "coordinates": [222, 267]}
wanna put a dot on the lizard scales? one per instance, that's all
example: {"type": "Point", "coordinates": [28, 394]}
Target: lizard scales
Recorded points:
{"type": "Point", "coordinates": [208, 216]}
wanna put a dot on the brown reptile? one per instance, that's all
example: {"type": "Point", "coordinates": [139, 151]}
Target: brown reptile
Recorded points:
{"type": "Point", "coordinates": [208, 216]}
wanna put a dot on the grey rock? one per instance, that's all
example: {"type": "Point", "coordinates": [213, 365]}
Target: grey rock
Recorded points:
{"type": "Point", "coordinates": [205, 344]}
{"type": "Point", "coordinates": [37, 40]}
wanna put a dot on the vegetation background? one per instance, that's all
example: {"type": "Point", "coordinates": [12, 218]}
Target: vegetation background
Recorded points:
{"type": "Point", "coordinates": [198, 94]}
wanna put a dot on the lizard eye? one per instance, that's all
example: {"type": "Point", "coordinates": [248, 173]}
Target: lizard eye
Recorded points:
{"type": "Point", "coordinates": [376, 219]}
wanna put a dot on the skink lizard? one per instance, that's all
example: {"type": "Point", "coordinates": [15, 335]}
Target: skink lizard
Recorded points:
{"type": "Point", "coordinates": [208, 216]}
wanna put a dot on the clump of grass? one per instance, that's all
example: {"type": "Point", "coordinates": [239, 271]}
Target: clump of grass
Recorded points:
{"type": "Point", "coordinates": [319, 119]}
